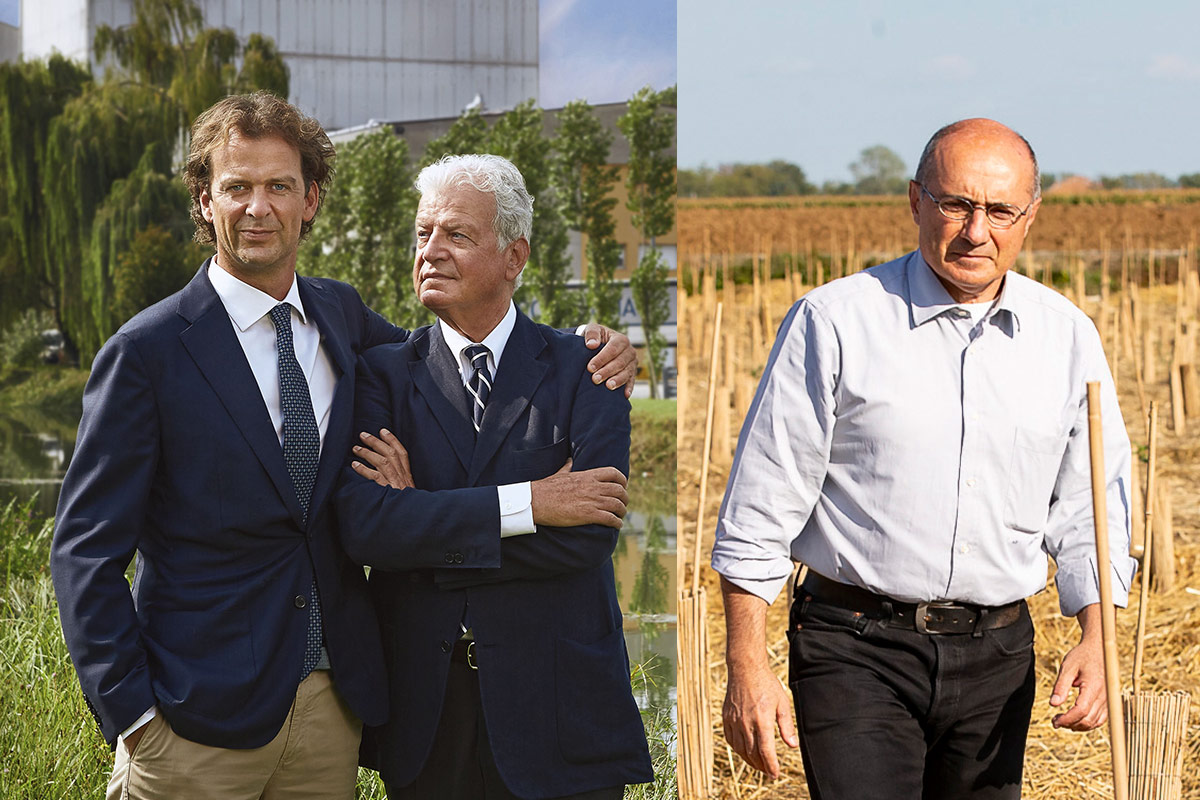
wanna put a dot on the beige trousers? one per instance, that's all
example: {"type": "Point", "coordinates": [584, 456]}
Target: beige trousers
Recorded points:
{"type": "Point", "coordinates": [314, 755]}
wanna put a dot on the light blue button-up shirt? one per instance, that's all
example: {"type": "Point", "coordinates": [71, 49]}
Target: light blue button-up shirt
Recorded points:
{"type": "Point", "coordinates": [898, 445]}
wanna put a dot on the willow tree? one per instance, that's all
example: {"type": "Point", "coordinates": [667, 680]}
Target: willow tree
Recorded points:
{"type": "Point", "coordinates": [364, 233]}
{"type": "Point", "coordinates": [585, 179]}
{"type": "Point", "coordinates": [99, 138]}
{"type": "Point", "coordinates": [649, 125]}
{"type": "Point", "coordinates": [518, 137]}
{"type": "Point", "coordinates": [32, 94]}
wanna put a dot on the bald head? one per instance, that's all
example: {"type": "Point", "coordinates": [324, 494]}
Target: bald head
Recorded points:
{"type": "Point", "coordinates": [980, 132]}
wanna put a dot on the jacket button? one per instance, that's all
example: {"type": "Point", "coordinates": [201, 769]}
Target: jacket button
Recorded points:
{"type": "Point", "coordinates": [445, 646]}
{"type": "Point", "coordinates": [458, 558]}
{"type": "Point", "coordinates": [449, 558]}
{"type": "Point", "coordinates": [300, 602]}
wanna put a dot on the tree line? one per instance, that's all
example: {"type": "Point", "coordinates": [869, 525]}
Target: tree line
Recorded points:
{"type": "Point", "coordinates": [94, 219]}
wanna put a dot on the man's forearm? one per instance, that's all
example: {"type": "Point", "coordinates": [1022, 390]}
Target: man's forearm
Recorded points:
{"type": "Point", "coordinates": [745, 629]}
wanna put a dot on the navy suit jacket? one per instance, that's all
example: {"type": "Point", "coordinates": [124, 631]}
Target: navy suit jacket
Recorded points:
{"type": "Point", "coordinates": [553, 670]}
{"type": "Point", "coordinates": [177, 460]}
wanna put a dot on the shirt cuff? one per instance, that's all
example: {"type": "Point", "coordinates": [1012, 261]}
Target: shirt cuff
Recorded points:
{"type": "Point", "coordinates": [516, 509]}
{"type": "Point", "coordinates": [149, 714]}
{"type": "Point", "coordinates": [580, 329]}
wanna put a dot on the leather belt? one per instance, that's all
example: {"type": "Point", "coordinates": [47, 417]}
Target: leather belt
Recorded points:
{"type": "Point", "coordinates": [464, 653]}
{"type": "Point", "coordinates": [932, 618]}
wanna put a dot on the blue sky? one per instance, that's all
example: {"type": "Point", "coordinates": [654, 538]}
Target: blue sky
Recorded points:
{"type": "Point", "coordinates": [10, 11]}
{"type": "Point", "coordinates": [604, 50]}
{"type": "Point", "coordinates": [1099, 87]}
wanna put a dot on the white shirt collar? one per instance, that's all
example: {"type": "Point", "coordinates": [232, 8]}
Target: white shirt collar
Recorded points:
{"type": "Point", "coordinates": [247, 305]}
{"type": "Point", "coordinates": [494, 341]}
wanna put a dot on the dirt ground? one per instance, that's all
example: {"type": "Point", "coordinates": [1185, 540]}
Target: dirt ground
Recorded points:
{"type": "Point", "coordinates": [1058, 764]}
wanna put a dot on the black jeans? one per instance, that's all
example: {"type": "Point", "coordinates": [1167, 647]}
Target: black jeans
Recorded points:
{"type": "Point", "coordinates": [892, 714]}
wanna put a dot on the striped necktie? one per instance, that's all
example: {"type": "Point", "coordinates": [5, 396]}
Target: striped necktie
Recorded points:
{"type": "Point", "coordinates": [301, 452]}
{"type": "Point", "coordinates": [479, 386]}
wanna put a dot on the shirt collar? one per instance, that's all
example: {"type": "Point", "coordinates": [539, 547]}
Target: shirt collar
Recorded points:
{"type": "Point", "coordinates": [928, 298]}
{"type": "Point", "coordinates": [247, 305]}
{"type": "Point", "coordinates": [494, 341]}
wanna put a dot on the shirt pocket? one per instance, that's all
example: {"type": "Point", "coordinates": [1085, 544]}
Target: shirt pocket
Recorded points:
{"type": "Point", "coordinates": [1032, 474]}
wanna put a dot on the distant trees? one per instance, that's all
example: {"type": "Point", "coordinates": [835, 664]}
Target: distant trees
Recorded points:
{"type": "Point", "coordinates": [774, 179]}
{"type": "Point", "coordinates": [879, 170]}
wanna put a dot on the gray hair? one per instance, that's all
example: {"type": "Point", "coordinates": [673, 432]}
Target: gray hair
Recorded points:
{"type": "Point", "coordinates": [487, 173]}
{"type": "Point", "coordinates": [925, 165]}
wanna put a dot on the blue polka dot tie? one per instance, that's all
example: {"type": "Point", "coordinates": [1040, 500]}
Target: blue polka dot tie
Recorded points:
{"type": "Point", "coordinates": [301, 452]}
{"type": "Point", "coordinates": [479, 385]}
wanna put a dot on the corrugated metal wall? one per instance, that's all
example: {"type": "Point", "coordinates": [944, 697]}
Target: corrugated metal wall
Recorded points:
{"type": "Point", "coordinates": [352, 60]}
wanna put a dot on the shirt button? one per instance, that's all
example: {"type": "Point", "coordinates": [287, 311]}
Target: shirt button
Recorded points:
{"type": "Point", "coordinates": [445, 646]}
{"type": "Point", "coordinates": [971, 483]}
{"type": "Point", "coordinates": [300, 602]}
{"type": "Point", "coordinates": [508, 507]}
{"type": "Point", "coordinates": [966, 548]}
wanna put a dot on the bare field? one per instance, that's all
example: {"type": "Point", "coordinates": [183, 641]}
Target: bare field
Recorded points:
{"type": "Point", "coordinates": [880, 228]}
{"type": "Point", "coordinates": [1058, 764]}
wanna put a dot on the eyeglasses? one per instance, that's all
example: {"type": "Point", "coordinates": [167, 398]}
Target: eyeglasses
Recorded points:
{"type": "Point", "coordinates": [999, 215]}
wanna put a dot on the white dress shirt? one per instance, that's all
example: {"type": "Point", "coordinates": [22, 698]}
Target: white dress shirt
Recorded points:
{"type": "Point", "coordinates": [516, 499]}
{"type": "Point", "coordinates": [901, 446]}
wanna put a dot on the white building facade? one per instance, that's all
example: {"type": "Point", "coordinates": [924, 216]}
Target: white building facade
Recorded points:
{"type": "Point", "coordinates": [351, 60]}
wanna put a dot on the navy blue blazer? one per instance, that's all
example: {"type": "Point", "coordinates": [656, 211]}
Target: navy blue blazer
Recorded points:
{"type": "Point", "coordinates": [553, 669]}
{"type": "Point", "coordinates": [177, 460]}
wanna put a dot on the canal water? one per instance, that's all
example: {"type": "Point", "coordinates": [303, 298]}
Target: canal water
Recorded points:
{"type": "Point", "coordinates": [35, 451]}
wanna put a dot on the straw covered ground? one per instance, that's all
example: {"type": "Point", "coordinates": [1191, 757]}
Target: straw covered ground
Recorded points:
{"type": "Point", "coordinates": [1059, 764]}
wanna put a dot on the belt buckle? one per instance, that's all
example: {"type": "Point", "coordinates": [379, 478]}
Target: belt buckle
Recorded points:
{"type": "Point", "coordinates": [471, 655]}
{"type": "Point", "coordinates": [921, 616]}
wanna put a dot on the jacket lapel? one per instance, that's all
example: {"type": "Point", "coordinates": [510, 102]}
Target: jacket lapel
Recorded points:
{"type": "Point", "coordinates": [436, 376]}
{"type": "Point", "coordinates": [331, 322]}
{"type": "Point", "coordinates": [212, 344]}
{"type": "Point", "coordinates": [518, 377]}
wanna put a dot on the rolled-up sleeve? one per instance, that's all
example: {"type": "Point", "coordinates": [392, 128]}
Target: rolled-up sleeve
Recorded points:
{"type": "Point", "coordinates": [1070, 531]}
{"type": "Point", "coordinates": [782, 456]}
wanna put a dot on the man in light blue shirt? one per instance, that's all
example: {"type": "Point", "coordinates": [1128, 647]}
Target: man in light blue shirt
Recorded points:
{"type": "Point", "coordinates": [919, 441]}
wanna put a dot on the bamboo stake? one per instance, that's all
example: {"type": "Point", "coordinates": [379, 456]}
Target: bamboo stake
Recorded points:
{"type": "Point", "coordinates": [1108, 620]}
{"type": "Point", "coordinates": [708, 426]}
{"type": "Point", "coordinates": [1148, 550]}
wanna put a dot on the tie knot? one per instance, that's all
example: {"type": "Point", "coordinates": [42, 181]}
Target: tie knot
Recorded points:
{"type": "Point", "coordinates": [477, 354]}
{"type": "Point", "coordinates": [281, 315]}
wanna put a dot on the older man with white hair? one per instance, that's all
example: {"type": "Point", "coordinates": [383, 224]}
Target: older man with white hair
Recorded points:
{"type": "Point", "coordinates": [507, 670]}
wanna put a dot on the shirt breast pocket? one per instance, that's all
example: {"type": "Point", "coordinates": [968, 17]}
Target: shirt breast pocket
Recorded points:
{"type": "Point", "coordinates": [539, 462]}
{"type": "Point", "coordinates": [1032, 474]}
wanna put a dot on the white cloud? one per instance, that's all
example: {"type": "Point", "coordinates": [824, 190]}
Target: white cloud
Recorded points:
{"type": "Point", "coordinates": [1173, 67]}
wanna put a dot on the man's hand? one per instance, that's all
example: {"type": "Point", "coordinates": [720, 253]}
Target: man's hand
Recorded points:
{"type": "Point", "coordinates": [387, 456]}
{"type": "Point", "coordinates": [616, 364]}
{"type": "Point", "coordinates": [592, 497]}
{"type": "Point", "coordinates": [131, 741]}
{"type": "Point", "coordinates": [755, 701]}
{"type": "Point", "coordinates": [1083, 668]}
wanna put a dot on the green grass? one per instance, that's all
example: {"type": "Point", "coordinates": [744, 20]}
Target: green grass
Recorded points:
{"type": "Point", "coordinates": [50, 391]}
{"type": "Point", "coordinates": [50, 746]}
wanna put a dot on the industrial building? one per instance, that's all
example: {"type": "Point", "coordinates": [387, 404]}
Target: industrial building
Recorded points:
{"type": "Point", "coordinates": [350, 60]}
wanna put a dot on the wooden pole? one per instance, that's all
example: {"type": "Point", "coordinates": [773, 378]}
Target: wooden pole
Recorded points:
{"type": "Point", "coordinates": [708, 426]}
{"type": "Point", "coordinates": [1147, 551]}
{"type": "Point", "coordinates": [1108, 617]}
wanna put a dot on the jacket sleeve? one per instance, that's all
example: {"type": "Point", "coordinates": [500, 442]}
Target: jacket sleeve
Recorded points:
{"type": "Point", "coordinates": [97, 527]}
{"type": "Point", "coordinates": [599, 434]}
{"type": "Point", "coordinates": [405, 529]}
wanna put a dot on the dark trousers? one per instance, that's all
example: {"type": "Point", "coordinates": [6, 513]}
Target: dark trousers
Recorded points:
{"type": "Point", "coordinates": [461, 766]}
{"type": "Point", "coordinates": [892, 714]}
